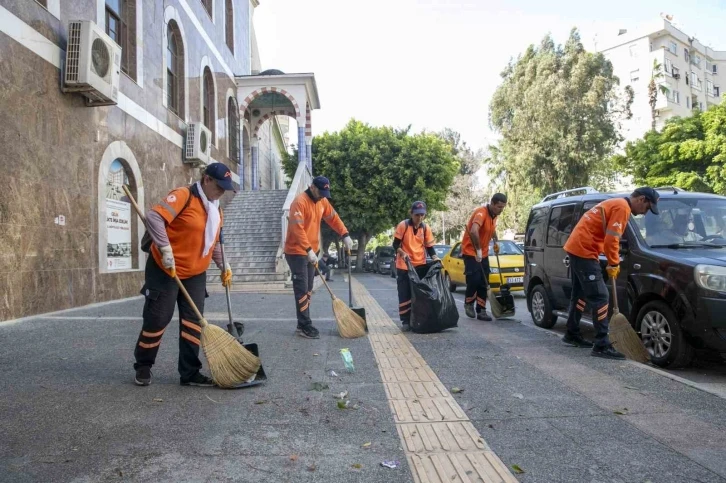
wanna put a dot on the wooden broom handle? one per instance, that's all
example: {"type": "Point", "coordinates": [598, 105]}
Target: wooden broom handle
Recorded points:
{"type": "Point", "coordinates": [202, 321]}
{"type": "Point", "coordinates": [324, 282]}
{"type": "Point", "coordinates": [616, 310]}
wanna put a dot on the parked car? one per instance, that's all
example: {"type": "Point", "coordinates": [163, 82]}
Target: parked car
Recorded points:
{"type": "Point", "coordinates": [441, 251]}
{"type": "Point", "coordinates": [672, 283]}
{"type": "Point", "coordinates": [510, 256]}
{"type": "Point", "coordinates": [383, 260]}
{"type": "Point", "coordinates": [368, 265]}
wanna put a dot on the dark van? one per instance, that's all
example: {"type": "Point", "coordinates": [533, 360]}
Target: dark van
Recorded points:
{"type": "Point", "coordinates": [672, 283]}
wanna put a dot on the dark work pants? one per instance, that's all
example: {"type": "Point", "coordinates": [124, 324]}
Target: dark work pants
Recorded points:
{"type": "Point", "coordinates": [477, 281]}
{"type": "Point", "coordinates": [162, 295]}
{"type": "Point", "coordinates": [588, 288]}
{"type": "Point", "coordinates": [404, 291]}
{"type": "Point", "coordinates": [303, 277]}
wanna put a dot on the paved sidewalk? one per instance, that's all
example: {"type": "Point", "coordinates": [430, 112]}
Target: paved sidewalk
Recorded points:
{"type": "Point", "coordinates": [71, 412]}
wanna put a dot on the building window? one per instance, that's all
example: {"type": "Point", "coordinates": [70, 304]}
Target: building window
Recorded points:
{"type": "Point", "coordinates": [668, 66]}
{"type": "Point", "coordinates": [716, 91]}
{"type": "Point", "coordinates": [208, 6]}
{"type": "Point", "coordinates": [174, 70]}
{"type": "Point", "coordinates": [233, 128]}
{"type": "Point", "coordinates": [696, 60]}
{"type": "Point", "coordinates": [208, 101]}
{"type": "Point", "coordinates": [673, 47]}
{"type": "Point", "coordinates": [229, 25]}
{"type": "Point", "coordinates": [709, 88]}
{"type": "Point", "coordinates": [686, 55]}
{"type": "Point", "coordinates": [714, 68]}
{"type": "Point", "coordinates": [688, 102]}
{"type": "Point", "coordinates": [121, 27]}
{"type": "Point", "coordinates": [676, 97]}
{"type": "Point", "coordinates": [676, 73]}
{"type": "Point", "coordinates": [694, 79]}
{"type": "Point", "coordinates": [635, 75]}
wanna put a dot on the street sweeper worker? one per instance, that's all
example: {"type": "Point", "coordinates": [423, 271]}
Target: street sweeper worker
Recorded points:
{"type": "Point", "coordinates": [599, 231]}
{"type": "Point", "coordinates": [480, 230]}
{"type": "Point", "coordinates": [411, 241]}
{"type": "Point", "coordinates": [303, 242]}
{"type": "Point", "coordinates": [184, 228]}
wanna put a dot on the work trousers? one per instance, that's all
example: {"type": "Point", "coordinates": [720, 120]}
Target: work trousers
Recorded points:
{"type": "Point", "coordinates": [162, 295]}
{"type": "Point", "coordinates": [404, 291]}
{"type": "Point", "coordinates": [588, 289]}
{"type": "Point", "coordinates": [303, 278]}
{"type": "Point", "coordinates": [477, 281]}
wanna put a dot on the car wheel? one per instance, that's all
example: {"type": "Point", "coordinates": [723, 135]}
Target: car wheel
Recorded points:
{"type": "Point", "coordinates": [541, 308]}
{"type": "Point", "coordinates": [447, 281]}
{"type": "Point", "coordinates": [663, 337]}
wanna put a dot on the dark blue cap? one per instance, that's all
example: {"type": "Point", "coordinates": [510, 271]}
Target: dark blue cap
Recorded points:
{"type": "Point", "coordinates": [650, 195]}
{"type": "Point", "coordinates": [323, 184]}
{"type": "Point", "coordinates": [418, 208]}
{"type": "Point", "coordinates": [222, 175]}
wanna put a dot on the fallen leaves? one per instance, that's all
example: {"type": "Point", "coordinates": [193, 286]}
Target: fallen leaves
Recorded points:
{"type": "Point", "coordinates": [366, 445]}
{"type": "Point", "coordinates": [319, 386]}
{"type": "Point", "coordinates": [456, 390]}
{"type": "Point", "coordinates": [294, 457]}
{"type": "Point", "coordinates": [518, 396]}
{"type": "Point", "coordinates": [517, 469]}
{"type": "Point", "coordinates": [158, 399]}
{"type": "Point", "coordinates": [357, 466]}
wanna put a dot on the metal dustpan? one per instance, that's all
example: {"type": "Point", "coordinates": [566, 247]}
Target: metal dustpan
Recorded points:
{"type": "Point", "coordinates": [504, 306]}
{"type": "Point", "coordinates": [260, 377]}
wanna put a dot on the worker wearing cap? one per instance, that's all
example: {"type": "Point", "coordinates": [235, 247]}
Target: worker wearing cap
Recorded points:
{"type": "Point", "coordinates": [599, 231]}
{"type": "Point", "coordinates": [480, 229]}
{"type": "Point", "coordinates": [303, 242]}
{"type": "Point", "coordinates": [411, 241]}
{"type": "Point", "coordinates": [184, 228]}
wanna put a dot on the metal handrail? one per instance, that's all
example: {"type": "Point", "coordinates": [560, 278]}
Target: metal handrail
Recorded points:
{"type": "Point", "coordinates": [303, 178]}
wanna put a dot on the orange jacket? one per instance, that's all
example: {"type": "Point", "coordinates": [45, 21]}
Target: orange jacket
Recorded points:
{"type": "Point", "coordinates": [303, 228]}
{"type": "Point", "coordinates": [413, 242]}
{"type": "Point", "coordinates": [487, 227]}
{"type": "Point", "coordinates": [599, 231]}
{"type": "Point", "coordinates": [185, 232]}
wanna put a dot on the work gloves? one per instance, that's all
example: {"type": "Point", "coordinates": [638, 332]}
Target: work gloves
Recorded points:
{"type": "Point", "coordinates": [348, 243]}
{"type": "Point", "coordinates": [227, 276]}
{"type": "Point", "coordinates": [478, 255]}
{"type": "Point", "coordinates": [312, 257]}
{"type": "Point", "coordinates": [613, 271]}
{"type": "Point", "coordinates": [167, 259]}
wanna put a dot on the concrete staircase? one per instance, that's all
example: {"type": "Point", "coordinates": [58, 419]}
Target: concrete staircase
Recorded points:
{"type": "Point", "coordinates": [252, 242]}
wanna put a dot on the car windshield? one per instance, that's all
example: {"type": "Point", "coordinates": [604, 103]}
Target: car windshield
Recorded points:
{"type": "Point", "coordinates": [441, 250]}
{"type": "Point", "coordinates": [386, 252]}
{"type": "Point", "coordinates": [686, 223]}
{"type": "Point", "coordinates": [506, 247]}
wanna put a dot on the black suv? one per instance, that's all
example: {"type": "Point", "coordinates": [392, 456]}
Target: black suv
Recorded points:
{"type": "Point", "coordinates": [672, 283]}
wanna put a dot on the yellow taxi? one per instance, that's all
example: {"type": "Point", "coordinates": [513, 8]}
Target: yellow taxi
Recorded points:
{"type": "Point", "coordinates": [512, 269]}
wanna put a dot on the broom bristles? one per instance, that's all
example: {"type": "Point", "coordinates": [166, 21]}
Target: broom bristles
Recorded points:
{"type": "Point", "coordinates": [229, 362]}
{"type": "Point", "coordinates": [625, 340]}
{"type": "Point", "coordinates": [350, 324]}
{"type": "Point", "coordinates": [497, 310]}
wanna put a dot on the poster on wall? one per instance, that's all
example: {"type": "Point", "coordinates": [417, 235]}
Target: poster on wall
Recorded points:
{"type": "Point", "coordinates": [118, 220]}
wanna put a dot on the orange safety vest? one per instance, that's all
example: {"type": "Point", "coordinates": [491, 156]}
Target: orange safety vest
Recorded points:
{"type": "Point", "coordinates": [185, 229]}
{"type": "Point", "coordinates": [487, 228]}
{"type": "Point", "coordinates": [303, 228]}
{"type": "Point", "coordinates": [599, 231]}
{"type": "Point", "coordinates": [414, 244]}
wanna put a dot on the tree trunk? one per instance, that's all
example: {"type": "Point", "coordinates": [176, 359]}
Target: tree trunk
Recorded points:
{"type": "Point", "coordinates": [360, 259]}
{"type": "Point", "coordinates": [340, 255]}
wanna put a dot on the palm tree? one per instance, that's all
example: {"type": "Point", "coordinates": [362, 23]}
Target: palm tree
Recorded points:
{"type": "Point", "coordinates": [654, 88]}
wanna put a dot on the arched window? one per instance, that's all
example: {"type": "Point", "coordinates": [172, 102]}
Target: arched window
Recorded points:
{"type": "Point", "coordinates": [229, 25]}
{"type": "Point", "coordinates": [233, 128]}
{"type": "Point", "coordinates": [174, 70]}
{"type": "Point", "coordinates": [208, 98]}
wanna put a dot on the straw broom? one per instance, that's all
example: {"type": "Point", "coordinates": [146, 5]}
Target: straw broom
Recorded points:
{"type": "Point", "coordinates": [229, 362]}
{"type": "Point", "coordinates": [350, 324]}
{"type": "Point", "coordinates": [623, 336]}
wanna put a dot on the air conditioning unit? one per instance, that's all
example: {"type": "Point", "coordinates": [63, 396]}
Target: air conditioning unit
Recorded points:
{"type": "Point", "coordinates": [93, 64]}
{"type": "Point", "coordinates": [676, 76]}
{"type": "Point", "coordinates": [198, 144]}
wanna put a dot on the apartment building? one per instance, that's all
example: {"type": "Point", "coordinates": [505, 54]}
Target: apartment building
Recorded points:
{"type": "Point", "coordinates": [693, 74]}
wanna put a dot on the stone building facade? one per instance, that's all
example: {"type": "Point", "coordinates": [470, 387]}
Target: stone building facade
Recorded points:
{"type": "Point", "coordinates": [67, 236]}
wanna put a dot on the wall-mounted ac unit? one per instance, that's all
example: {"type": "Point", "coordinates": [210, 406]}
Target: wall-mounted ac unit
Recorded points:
{"type": "Point", "coordinates": [93, 64]}
{"type": "Point", "coordinates": [198, 144]}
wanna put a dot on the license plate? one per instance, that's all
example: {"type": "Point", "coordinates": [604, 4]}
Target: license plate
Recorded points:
{"type": "Point", "coordinates": [515, 280]}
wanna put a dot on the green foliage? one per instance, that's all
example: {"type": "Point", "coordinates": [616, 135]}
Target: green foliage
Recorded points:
{"type": "Point", "coordinates": [558, 110]}
{"type": "Point", "coordinates": [689, 153]}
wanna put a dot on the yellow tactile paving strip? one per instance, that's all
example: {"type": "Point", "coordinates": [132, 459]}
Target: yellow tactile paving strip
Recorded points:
{"type": "Point", "coordinates": [440, 442]}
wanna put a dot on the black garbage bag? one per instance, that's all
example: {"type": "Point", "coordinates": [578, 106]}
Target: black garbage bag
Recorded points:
{"type": "Point", "coordinates": [432, 306]}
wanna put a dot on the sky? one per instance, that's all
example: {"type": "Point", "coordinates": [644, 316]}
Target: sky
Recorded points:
{"type": "Point", "coordinates": [436, 63]}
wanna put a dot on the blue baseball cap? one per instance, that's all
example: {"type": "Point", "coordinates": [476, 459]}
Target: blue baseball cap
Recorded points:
{"type": "Point", "coordinates": [222, 175]}
{"type": "Point", "coordinates": [650, 195]}
{"type": "Point", "coordinates": [418, 208]}
{"type": "Point", "coordinates": [323, 184]}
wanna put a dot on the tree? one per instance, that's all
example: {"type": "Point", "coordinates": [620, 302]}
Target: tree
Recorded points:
{"type": "Point", "coordinates": [688, 153]}
{"type": "Point", "coordinates": [377, 172]}
{"type": "Point", "coordinates": [558, 111]}
{"type": "Point", "coordinates": [654, 88]}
